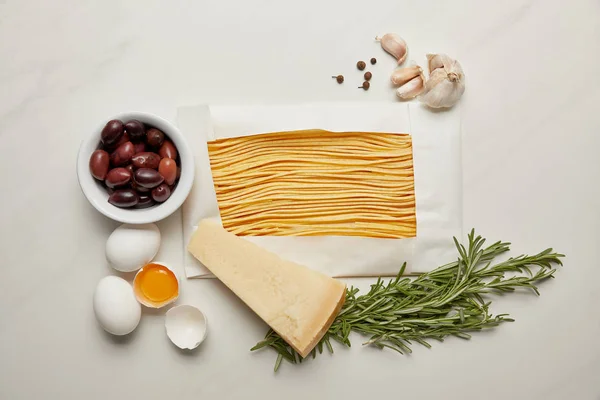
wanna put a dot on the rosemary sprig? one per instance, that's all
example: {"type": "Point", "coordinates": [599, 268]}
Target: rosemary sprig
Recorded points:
{"type": "Point", "coordinates": [446, 301]}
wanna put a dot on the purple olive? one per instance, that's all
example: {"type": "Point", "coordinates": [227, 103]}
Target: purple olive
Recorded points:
{"type": "Point", "coordinates": [135, 129]}
{"type": "Point", "coordinates": [139, 147]}
{"type": "Point", "coordinates": [124, 198]}
{"type": "Point", "coordinates": [148, 178]}
{"type": "Point", "coordinates": [161, 193]}
{"type": "Point", "coordinates": [140, 189]}
{"type": "Point", "coordinates": [112, 132]}
{"type": "Point", "coordinates": [154, 137]}
{"type": "Point", "coordinates": [99, 162]}
{"type": "Point", "coordinates": [122, 154]}
{"type": "Point", "coordinates": [146, 159]}
{"type": "Point", "coordinates": [145, 202]}
{"type": "Point", "coordinates": [117, 177]}
{"type": "Point", "coordinates": [124, 138]}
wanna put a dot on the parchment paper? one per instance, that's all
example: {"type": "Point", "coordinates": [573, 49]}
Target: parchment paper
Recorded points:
{"type": "Point", "coordinates": [438, 182]}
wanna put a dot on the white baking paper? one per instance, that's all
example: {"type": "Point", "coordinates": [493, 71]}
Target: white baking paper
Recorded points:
{"type": "Point", "coordinates": [438, 182]}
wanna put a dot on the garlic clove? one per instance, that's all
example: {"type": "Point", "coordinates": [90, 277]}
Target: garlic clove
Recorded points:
{"type": "Point", "coordinates": [403, 75]}
{"type": "Point", "coordinates": [434, 61]}
{"type": "Point", "coordinates": [394, 45]}
{"type": "Point", "coordinates": [411, 89]}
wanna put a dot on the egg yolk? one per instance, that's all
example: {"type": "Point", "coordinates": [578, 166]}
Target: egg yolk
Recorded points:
{"type": "Point", "coordinates": [157, 283]}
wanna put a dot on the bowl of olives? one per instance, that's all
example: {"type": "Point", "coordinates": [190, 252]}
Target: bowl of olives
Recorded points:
{"type": "Point", "coordinates": [136, 168]}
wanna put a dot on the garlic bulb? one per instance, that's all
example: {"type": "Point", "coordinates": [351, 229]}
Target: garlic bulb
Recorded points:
{"type": "Point", "coordinates": [403, 75]}
{"type": "Point", "coordinates": [394, 45]}
{"type": "Point", "coordinates": [412, 88]}
{"type": "Point", "coordinates": [446, 83]}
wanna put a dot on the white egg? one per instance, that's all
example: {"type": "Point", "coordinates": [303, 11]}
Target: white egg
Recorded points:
{"type": "Point", "coordinates": [130, 247]}
{"type": "Point", "coordinates": [115, 306]}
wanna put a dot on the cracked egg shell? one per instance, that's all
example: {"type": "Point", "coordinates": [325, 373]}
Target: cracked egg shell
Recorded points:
{"type": "Point", "coordinates": [155, 285]}
{"type": "Point", "coordinates": [186, 326]}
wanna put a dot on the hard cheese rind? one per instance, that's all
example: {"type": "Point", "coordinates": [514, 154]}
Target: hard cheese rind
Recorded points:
{"type": "Point", "coordinates": [298, 303]}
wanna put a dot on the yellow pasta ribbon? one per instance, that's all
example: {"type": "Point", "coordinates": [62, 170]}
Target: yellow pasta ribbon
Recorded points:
{"type": "Point", "coordinates": [315, 183]}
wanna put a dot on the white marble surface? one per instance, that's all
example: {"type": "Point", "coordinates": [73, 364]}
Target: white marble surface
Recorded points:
{"type": "Point", "coordinates": [531, 175]}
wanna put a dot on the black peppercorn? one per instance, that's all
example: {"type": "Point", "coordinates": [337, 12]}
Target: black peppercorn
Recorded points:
{"type": "Point", "coordinates": [365, 86]}
{"type": "Point", "coordinates": [373, 61]}
{"type": "Point", "coordinates": [361, 65]}
{"type": "Point", "coordinates": [339, 78]}
{"type": "Point", "coordinates": [368, 76]}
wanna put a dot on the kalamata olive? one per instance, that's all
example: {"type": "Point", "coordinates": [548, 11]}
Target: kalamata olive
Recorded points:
{"type": "Point", "coordinates": [168, 150]}
{"type": "Point", "coordinates": [140, 189]}
{"type": "Point", "coordinates": [122, 154]}
{"type": "Point", "coordinates": [154, 137]}
{"type": "Point", "coordinates": [178, 172]}
{"type": "Point", "coordinates": [148, 178]}
{"type": "Point", "coordinates": [114, 146]}
{"type": "Point", "coordinates": [135, 129]}
{"type": "Point", "coordinates": [161, 193]}
{"type": "Point", "coordinates": [146, 159]}
{"type": "Point", "coordinates": [168, 169]}
{"type": "Point", "coordinates": [117, 177]}
{"type": "Point", "coordinates": [145, 202]}
{"type": "Point", "coordinates": [112, 132]}
{"type": "Point", "coordinates": [139, 147]}
{"type": "Point", "coordinates": [99, 162]}
{"type": "Point", "coordinates": [124, 198]}
{"type": "Point", "coordinates": [124, 138]}
{"type": "Point", "coordinates": [129, 168]}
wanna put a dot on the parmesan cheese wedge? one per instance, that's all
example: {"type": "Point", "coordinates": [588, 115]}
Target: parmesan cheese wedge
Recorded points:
{"type": "Point", "coordinates": [298, 303]}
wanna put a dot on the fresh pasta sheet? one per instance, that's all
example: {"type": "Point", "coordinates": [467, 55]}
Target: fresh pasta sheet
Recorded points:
{"type": "Point", "coordinates": [315, 183]}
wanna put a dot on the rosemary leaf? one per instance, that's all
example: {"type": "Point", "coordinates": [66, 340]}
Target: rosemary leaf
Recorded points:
{"type": "Point", "coordinates": [278, 362]}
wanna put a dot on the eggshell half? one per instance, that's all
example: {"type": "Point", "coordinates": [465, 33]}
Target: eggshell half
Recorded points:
{"type": "Point", "coordinates": [186, 326]}
{"type": "Point", "coordinates": [139, 292]}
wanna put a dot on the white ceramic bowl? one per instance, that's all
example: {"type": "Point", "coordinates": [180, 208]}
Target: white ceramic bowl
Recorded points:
{"type": "Point", "coordinates": [97, 194]}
